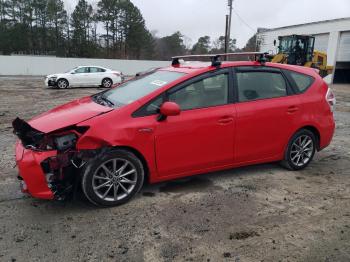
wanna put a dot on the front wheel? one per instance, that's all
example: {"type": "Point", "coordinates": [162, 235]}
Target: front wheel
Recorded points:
{"type": "Point", "coordinates": [300, 151]}
{"type": "Point", "coordinates": [62, 83]}
{"type": "Point", "coordinates": [112, 179]}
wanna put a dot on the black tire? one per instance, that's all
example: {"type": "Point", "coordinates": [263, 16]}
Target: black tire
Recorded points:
{"type": "Point", "coordinates": [94, 170]}
{"type": "Point", "coordinates": [62, 83]}
{"type": "Point", "coordinates": [106, 83]}
{"type": "Point", "coordinates": [295, 148]}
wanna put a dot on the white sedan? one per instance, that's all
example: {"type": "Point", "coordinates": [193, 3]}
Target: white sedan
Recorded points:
{"type": "Point", "coordinates": [85, 76]}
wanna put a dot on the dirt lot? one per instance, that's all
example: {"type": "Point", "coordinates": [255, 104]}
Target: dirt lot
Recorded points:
{"type": "Point", "coordinates": [259, 213]}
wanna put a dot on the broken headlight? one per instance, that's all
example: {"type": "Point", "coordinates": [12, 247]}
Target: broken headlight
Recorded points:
{"type": "Point", "coordinates": [52, 78]}
{"type": "Point", "coordinates": [65, 142]}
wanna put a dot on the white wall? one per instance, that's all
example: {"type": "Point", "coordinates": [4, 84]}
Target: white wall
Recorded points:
{"type": "Point", "coordinates": [45, 65]}
{"type": "Point", "coordinates": [332, 28]}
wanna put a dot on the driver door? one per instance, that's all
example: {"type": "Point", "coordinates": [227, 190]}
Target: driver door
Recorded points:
{"type": "Point", "coordinates": [80, 76]}
{"type": "Point", "coordinates": [200, 138]}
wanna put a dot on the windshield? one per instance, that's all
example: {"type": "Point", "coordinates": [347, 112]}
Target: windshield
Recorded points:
{"type": "Point", "coordinates": [140, 87]}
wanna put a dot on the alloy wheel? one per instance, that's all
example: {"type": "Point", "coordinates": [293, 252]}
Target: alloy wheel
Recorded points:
{"type": "Point", "coordinates": [114, 179]}
{"type": "Point", "coordinates": [62, 84]}
{"type": "Point", "coordinates": [301, 150]}
{"type": "Point", "coordinates": [107, 83]}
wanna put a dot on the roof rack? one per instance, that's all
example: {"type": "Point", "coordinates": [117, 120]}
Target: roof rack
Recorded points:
{"type": "Point", "coordinates": [216, 58]}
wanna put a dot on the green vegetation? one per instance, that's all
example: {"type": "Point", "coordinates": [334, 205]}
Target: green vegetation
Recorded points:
{"type": "Point", "coordinates": [111, 29]}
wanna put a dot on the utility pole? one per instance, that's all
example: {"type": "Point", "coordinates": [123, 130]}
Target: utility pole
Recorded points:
{"type": "Point", "coordinates": [228, 26]}
{"type": "Point", "coordinates": [226, 34]}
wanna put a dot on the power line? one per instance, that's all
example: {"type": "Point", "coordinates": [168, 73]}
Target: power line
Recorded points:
{"type": "Point", "coordinates": [244, 22]}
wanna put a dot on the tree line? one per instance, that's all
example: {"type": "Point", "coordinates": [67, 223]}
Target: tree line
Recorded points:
{"type": "Point", "coordinates": [110, 29]}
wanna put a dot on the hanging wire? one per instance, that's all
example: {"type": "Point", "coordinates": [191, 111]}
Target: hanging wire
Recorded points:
{"type": "Point", "coordinates": [243, 21]}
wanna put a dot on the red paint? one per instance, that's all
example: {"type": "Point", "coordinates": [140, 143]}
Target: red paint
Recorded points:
{"type": "Point", "coordinates": [193, 141]}
{"type": "Point", "coordinates": [67, 115]}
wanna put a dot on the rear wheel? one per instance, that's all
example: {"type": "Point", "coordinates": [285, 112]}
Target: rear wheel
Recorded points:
{"type": "Point", "coordinates": [300, 151]}
{"type": "Point", "coordinates": [107, 83]}
{"type": "Point", "coordinates": [113, 179]}
{"type": "Point", "coordinates": [62, 83]}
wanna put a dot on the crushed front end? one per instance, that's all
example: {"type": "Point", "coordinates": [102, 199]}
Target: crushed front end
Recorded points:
{"type": "Point", "coordinates": [48, 164]}
{"type": "Point", "coordinates": [51, 81]}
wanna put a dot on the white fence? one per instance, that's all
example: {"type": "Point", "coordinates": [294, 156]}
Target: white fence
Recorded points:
{"type": "Point", "coordinates": [45, 65]}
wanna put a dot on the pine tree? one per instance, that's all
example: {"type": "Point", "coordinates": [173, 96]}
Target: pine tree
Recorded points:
{"type": "Point", "coordinates": [202, 46]}
{"type": "Point", "coordinates": [80, 24]}
{"type": "Point", "coordinates": [105, 15]}
{"type": "Point", "coordinates": [57, 16]}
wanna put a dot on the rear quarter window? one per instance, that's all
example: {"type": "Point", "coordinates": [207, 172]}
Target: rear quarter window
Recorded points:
{"type": "Point", "coordinates": [302, 82]}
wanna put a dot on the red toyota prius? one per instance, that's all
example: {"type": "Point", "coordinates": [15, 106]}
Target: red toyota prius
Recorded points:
{"type": "Point", "coordinates": [182, 120]}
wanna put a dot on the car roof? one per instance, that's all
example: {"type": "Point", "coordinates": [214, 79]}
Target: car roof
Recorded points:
{"type": "Point", "coordinates": [92, 66]}
{"type": "Point", "coordinates": [192, 67]}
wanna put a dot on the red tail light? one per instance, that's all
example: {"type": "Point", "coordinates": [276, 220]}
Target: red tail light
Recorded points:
{"type": "Point", "coordinates": [330, 98]}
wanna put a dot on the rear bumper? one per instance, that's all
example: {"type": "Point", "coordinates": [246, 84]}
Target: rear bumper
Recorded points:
{"type": "Point", "coordinates": [31, 173]}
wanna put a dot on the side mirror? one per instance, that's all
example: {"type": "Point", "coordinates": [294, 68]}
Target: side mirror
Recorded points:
{"type": "Point", "coordinates": [274, 42]}
{"type": "Point", "coordinates": [168, 109]}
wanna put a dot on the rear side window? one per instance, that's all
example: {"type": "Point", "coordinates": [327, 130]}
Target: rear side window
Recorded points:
{"type": "Point", "coordinates": [302, 82]}
{"type": "Point", "coordinates": [260, 85]}
{"type": "Point", "coordinates": [96, 70]}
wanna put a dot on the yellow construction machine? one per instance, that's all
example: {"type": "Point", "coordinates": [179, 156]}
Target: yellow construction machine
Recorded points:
{"type": "Point", "coordinates": [299, 50]}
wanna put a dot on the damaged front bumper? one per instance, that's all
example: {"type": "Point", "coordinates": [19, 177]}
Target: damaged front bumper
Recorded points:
{"type": "Point", "coordinates": [47, 174]}
{"type": "Point", "coordinates": [49, 165]}
{"type": "Point", "coordinates": [51, 82]}
{"type": "Point", "coordinates": [31, 174]}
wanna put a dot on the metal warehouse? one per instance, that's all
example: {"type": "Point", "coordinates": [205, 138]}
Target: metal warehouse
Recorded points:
{"type": "Point", "coordinates": [331, 36]}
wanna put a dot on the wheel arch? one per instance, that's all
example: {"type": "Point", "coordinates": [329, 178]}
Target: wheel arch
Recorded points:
{"type": "Point", "coordinates": [315, 131]}
{"type": "Point", "coordinates": [63, 78]}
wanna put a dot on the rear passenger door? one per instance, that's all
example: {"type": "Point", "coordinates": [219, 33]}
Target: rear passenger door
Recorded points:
{"type": "Point", "coordinates": [267, 112]}
{"type": "Point", "coordinates": [96, 75]}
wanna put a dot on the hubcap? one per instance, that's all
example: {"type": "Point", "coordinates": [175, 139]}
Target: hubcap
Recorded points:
{"type": "Point", "coordinates": [62, 84]}
{"type": "Point", "coordinates": [301, 151]}
{"type": "Point", "coordinates": [115, 179]}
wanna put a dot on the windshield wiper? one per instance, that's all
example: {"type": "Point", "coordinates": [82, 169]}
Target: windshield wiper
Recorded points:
{"type": "Point", "coordinates": [105, 99]}
{"type": "Point", "coordinates": [102, 100]}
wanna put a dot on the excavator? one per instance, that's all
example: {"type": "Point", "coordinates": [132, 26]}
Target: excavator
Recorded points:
{"type": "Point", "coordinates": [299, 50]}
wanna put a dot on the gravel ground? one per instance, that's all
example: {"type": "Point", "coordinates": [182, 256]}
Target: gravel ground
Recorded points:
{"type": "Point", "coordinates": [258, 213]}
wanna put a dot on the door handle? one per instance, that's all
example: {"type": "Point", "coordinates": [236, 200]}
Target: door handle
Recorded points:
{"type": "Point", "coordinates": [292, 109]}
{"type": "Point", "coordinates": [146, 130]}
{"type": "Point", "coordinates": [225, 120]}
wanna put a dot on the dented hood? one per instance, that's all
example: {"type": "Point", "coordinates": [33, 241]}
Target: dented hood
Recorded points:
{"type": "Point", "coordinates": [68, 114]}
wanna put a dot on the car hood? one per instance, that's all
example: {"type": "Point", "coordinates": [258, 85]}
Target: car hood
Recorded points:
{"type": "Point", "coordinates": [67, 115]}
{"type": "Point", "coordinates": [56, 75]}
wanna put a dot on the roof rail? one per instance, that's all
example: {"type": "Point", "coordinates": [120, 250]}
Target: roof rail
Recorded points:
{"type": "Point", "coordinates": [216, 58]}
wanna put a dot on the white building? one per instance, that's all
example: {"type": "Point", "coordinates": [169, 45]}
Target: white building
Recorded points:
{"type": "Point", "coordinates": [331, 36]}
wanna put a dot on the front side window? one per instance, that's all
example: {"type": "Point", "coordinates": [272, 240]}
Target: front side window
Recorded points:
{"type": "Point", "coordinates": [82, 70]}
{"type": "Point", "coordinates": [141, 86]}
{"type": "Point", "coordinates": [260, 85]}
{"type": "Point", "coordinates": [212, 91]}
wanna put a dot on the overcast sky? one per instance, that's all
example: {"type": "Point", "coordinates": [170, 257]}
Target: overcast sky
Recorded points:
{"type": "Point", "coordinates": [195, 18]}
